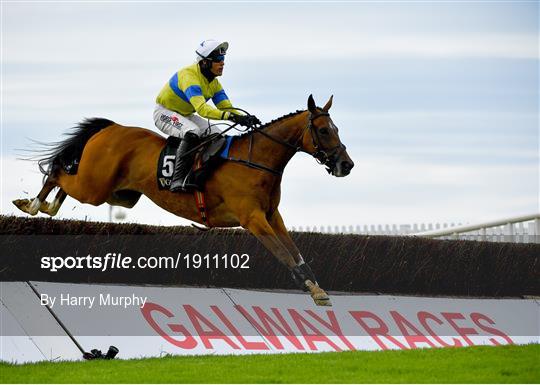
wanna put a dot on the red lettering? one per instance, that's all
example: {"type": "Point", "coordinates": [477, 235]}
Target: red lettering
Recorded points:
{"type": "Point", "coordinates": [188, 343]}
{"type": "Point", "coordinates": [214, 333]}
{"type": "Point", "coordinates": [477, 317]}
{"type": "Point", "coordinates": [246, 344]}
{"type": "Point", "coordinates": [311, 338]}
{"type": "Point", "coordinates": [423, 316]}
{"type": "Point", "coordinates": [412, 339]}
{"type": "Point", "coordinates": [268, 323]}
{"type": "Point", "coordinates": [462, 331]}
{"type": "Point", "coordinates": [380, 330]}
{"type": "Point", "coordinates": [333, 326]}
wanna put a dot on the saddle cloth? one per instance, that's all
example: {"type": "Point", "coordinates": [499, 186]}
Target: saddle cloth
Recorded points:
{"type": "Point", "coordinates": [206, 161]}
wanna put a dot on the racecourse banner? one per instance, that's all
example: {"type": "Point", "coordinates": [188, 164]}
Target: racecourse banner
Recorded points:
{"type": "Point", "coordinates": [152, 321]}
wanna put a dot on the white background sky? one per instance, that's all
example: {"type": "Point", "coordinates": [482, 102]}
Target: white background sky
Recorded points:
{"type": "Point", "coordinates": [437, 102]}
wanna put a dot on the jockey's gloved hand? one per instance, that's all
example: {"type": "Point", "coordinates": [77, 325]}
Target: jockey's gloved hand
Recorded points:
{"type": "Point", "coordinates": [254, 119]}
{"type": "Point", "coordinates": [245, 120]}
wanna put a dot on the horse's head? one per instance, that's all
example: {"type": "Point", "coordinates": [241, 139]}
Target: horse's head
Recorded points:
{"type": "Point", "coordinates": [322, 140]}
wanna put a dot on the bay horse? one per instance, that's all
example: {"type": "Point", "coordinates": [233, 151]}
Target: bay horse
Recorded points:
{"type": "Point", "coordinates": [118, 164]}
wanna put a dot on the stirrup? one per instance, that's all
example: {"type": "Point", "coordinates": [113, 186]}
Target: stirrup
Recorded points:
{"type": "Point", "coordinates": [186, 185]}
{"type": "Point", "coordinates": [177, 187]}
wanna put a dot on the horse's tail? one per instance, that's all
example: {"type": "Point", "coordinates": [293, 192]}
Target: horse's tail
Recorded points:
{"type": "Point", "coordinates": [69, 150]}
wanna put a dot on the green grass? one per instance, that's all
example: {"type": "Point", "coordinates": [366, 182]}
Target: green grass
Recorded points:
{"type": "Point", "coordinates": [504, 364]}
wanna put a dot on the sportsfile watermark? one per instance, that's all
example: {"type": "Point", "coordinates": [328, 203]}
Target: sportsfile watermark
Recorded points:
{"type": "Point", "coordinates": [119, 261]}
{"type": "Point", "coordinates": [131, 258]}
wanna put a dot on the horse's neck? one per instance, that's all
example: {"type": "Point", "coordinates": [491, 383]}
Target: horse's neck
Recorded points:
{"type": "Point", "coordinates": [277, 155]}
{"type": "Point", "coordinates": [290, 129]}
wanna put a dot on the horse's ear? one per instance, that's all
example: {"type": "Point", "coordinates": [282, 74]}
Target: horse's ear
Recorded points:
{"type": "Point", "coordinates": [328, 104]}
{"type": "Point", "coordinates": [311, 104]}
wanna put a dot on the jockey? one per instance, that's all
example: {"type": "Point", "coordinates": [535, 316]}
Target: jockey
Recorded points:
{"type": "Point", "coordinates": [181, 108]}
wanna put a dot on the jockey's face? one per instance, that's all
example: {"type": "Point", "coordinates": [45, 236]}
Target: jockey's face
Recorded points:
{"type": "Point", "coordinates": [217, 68]}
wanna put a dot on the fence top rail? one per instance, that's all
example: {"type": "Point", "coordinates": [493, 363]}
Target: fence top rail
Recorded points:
{"type": "Point", "coordinates": [479, 226]}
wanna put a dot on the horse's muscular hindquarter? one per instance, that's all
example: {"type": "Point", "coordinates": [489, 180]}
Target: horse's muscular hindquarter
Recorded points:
{"type": "Point", "coordinates": [108, 164]}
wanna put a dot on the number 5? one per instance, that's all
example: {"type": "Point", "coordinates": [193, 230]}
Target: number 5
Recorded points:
{"type": "Point", "coordinates": [168, 165]}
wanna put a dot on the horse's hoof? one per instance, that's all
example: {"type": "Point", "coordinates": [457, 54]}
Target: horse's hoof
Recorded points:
{"type": "Point", "coordinates": [22, 204]}
{"type": "Point", "coordinates": [319, 295]}
{"type": "Point", "coordinates": [322, 302]}
{"type": "Point", "coordinates": [48, 208]}
{"type": "Point", "coordinates": [321, 298]}
{"type": "Point", "coordinates": [26, 205]}
{"type": "Point", "coordinates": [52, 212]}
{"type": "Point", "coordinates": [44, 208]}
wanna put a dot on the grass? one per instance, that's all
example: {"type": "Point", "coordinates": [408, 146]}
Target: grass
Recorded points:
{"type": "Point", "coordinates": [481, 364]}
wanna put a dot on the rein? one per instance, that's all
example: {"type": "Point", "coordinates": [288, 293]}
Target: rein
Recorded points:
{"type": "Point", "coordinates": [323, 156]}
{"type": "Point", "coordinates": [254, 165]}
{"type": "Point", "coordinates": [258, 166]}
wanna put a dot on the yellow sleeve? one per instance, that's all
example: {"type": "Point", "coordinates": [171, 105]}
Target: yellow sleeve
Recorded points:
{"type": "Point", "coordinates": [222, 101]}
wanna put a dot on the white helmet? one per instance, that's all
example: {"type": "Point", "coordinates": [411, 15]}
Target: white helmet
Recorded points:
{"type": "Point", "coordinates": [209, 46]}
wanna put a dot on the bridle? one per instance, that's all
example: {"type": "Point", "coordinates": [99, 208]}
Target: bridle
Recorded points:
{"type": "Point", "coordinates": [324, 156]}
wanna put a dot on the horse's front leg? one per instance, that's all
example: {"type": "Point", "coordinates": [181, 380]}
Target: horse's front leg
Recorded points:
{"type": "Point", "coordinates": [257, 225]}
{"type": "Point", "coordinates": [301, 272]}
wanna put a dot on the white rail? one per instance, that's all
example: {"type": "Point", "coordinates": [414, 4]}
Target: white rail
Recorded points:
{"type": "Point", "coordinates": [522, 229]}
{"type": "Point", "coordinates": [480, 231]}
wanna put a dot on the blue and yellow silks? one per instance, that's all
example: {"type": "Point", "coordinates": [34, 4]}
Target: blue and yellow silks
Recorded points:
{"type": "Point", "coordinates": [188, 90]}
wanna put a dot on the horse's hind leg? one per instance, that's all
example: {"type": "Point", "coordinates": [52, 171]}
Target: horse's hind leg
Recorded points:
{"type": "Point", "coordinates": [32, 206]}
{"type": "Point", "coordinates": [53, 207]}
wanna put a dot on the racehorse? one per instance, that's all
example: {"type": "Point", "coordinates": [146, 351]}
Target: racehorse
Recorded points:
{"type": "Point", "coordinates": [118, 163]}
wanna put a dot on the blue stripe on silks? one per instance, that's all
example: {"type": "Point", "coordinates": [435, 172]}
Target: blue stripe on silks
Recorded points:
{"type": "Point", "coordinates": [173, 83]}
{"type": "Point", "coordinates": [192, 91]}
{"type": "Point", "coordinates": [219, 97]}
{"type": "Point", "coordinates": [225, 153]}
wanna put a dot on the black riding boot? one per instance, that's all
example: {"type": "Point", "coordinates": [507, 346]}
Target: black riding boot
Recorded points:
{"type": "Point", "coordinates": [183, 163]}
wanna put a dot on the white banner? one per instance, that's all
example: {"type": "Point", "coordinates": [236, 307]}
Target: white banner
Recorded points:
{"type": "Point", "coordinates": [150, 321]}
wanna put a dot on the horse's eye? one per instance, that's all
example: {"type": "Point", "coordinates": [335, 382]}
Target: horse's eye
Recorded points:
{"type": "Point", "coordinates": [324, 131]}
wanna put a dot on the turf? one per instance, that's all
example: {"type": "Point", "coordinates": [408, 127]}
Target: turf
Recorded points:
{"type": "Point", "coordinates": [503, 364]}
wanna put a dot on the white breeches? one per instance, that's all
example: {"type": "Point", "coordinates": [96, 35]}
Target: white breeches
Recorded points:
{"type": "Point", "coordinates": [174, 124]}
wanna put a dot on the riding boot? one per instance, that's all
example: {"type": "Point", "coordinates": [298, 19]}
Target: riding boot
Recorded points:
{"type": "Point", "coordinates": [183, 163]}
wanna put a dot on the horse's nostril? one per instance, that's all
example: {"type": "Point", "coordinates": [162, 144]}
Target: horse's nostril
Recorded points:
{"type": "Point", "coordinates": [346, 166]}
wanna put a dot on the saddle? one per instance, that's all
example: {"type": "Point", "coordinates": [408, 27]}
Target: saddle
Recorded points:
{"type": "Point", "coordinates": [207, 159]}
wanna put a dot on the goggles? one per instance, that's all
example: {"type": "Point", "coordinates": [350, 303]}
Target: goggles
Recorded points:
{"type": "Point", "coordinates": [217, 58]}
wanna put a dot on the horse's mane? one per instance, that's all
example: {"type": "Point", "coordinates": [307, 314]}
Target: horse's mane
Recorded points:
{"type": "Point", "coordinates": [289, 115]}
